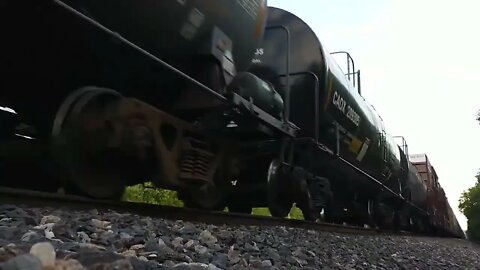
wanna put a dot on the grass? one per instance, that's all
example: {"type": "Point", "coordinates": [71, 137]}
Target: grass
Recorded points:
{"type": "Point", "coordinates": [146, 193]}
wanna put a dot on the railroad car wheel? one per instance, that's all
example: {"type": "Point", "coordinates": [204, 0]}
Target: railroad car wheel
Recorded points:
{"type": "Point", "coordinates": [375, 217]}
{"type": "Point", "coordinates": [280, 201]}
{"type": "Point", "coordinates": [241, 202]}
{"type": "Point", "coordinates": [208, 197]}
{"type": "Point", "coordinates": [309, 211]}
{"type": "Point", "coordinates": [315, 197]}
{"type": "Point", "coordinates": [80, 138]}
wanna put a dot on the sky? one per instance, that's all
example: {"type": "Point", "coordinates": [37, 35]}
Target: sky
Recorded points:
{"type": "Point", "coordinates": [420, 69]}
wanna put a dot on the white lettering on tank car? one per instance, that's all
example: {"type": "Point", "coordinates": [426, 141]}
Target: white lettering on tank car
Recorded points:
{"type": "Point", "coordinates": [195, 21]}
{"type": "Point", "coordinates": [258, 53]}
{"type": "Point", "coordinates": [250, 6]}
{"type": "Point", "coordinates": [353, 116]}
{"type": "Point", "coordinates": [196, 18]}
{"type": "Point", "coordinates": [348, 111]}
{"type": "Point", "coordinates": [339, 102]}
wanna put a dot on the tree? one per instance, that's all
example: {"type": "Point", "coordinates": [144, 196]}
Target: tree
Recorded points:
{"type": "Point", "coordinates": [469, 205]}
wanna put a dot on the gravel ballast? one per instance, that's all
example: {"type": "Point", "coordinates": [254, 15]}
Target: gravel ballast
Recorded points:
{"type": "Point", "coordinates": [47, 238]}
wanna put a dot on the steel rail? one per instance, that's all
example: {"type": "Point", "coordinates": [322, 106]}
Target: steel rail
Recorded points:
{"type": "Point", "coordinates": [30, 198]}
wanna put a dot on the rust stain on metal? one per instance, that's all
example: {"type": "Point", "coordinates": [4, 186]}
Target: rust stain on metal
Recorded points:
{"type": "Point", "coordinates": [174, 151]}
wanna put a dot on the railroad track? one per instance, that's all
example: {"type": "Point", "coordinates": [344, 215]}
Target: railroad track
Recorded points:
{"type": "Point", "coordinates": [45, 199]}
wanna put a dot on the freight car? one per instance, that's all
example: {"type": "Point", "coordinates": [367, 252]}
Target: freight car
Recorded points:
{"type": "Point", "coordinates": [441, 216]}
{"type": "Point", "coordinates": [231, 103]}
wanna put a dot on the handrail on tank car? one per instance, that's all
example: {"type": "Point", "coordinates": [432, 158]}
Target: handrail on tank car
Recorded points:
{"type": "Point", "coordinates": [359, 85]}
{"type": "Point", "coordinates": [351, 72]}
{"type": "Point", "coordinates": [286, 112]}
{"type": "Point", "coordinates": [349, 58]}
{"type": "Point", "coordinates": [317, 97]}
{"type": "Point", "coordinates": [404, 144]}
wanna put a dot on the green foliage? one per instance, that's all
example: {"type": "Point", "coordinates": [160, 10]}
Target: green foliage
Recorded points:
{"type": "Point", "coordinates": [295, 212]}
{"type": "Point", "coordinates": [469, 205]}
{"type": "Point", "coordinates": [147, 193]}
{"type": "Point", "coordinates": [473, 231]}
{"type": "Point", "coordinates": [261, 211]}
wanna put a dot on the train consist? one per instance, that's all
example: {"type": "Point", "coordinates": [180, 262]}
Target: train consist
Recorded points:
{"type": "Point", "coordinates": [230, 103]}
